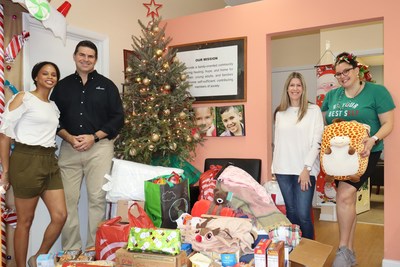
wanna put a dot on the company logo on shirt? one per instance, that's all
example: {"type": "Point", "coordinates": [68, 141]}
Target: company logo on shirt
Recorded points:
{"type": "Point", "coordinates": [99, 88]}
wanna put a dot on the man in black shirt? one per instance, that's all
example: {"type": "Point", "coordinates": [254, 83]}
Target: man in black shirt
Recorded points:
{"type": "Point", "coordinates": [91, 117]}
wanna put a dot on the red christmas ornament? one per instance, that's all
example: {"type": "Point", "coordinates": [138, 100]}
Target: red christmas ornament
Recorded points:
{"type": "Point", "coordinates": [8, 67]}
{"type": "Point", "coordinates": [152, 9]}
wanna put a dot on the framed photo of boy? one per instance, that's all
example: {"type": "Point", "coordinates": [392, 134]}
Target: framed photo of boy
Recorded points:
{"type": "Point", "coordinates": [230, 121]}
{"type": "Point", "coordinates": [216, 70]}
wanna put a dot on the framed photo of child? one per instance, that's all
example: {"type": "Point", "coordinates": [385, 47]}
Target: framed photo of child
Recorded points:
{"type": "Point", "coordinates": [205, 120]}
{"type": "Point", "coordinates": [230, 121]}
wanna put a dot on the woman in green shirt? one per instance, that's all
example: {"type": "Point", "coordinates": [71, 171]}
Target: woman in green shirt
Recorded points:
{"type": "Point", "coordinates": [366, 103]}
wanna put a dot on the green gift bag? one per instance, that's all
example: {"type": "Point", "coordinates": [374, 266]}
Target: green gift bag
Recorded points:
{"type": "Point", "coordinates": [165, 203]}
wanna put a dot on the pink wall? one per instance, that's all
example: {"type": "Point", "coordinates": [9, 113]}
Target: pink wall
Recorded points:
{"type": "Point", "coordinates": [258, 21]}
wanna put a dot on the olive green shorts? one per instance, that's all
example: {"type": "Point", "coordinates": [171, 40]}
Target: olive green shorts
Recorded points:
{"type": "Point", "coordinates": [33, 169]}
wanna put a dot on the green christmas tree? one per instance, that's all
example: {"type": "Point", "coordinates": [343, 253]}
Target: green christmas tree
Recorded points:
{"type": "Point", "coordinates": [159, 119]}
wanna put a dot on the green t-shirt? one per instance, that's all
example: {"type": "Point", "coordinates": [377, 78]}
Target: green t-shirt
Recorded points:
{"type": "Point", "coordinates": [373, 100]}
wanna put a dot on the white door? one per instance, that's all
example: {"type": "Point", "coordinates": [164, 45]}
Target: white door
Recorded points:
{"type": "Point", "coordinates": [43, 46]}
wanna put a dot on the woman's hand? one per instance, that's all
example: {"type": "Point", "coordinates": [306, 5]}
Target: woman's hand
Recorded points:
{"type": "Point", "coordinates": [4, 183]}
{"type": "Point", "coordinates": [368, 142]}
{"type": "Point", "coordinates": [304, 180]}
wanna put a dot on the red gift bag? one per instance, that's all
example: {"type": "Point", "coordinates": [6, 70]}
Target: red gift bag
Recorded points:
{"type": "Point", "coordinates": [112, 235]}
{"type": "Point", "coordinates": [207, 182]}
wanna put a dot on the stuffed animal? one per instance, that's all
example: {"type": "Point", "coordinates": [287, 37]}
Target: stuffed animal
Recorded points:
{"type": "Point", "coordinates": [342, 143]}
{"type": "Point", "coordinates": [222, 235]}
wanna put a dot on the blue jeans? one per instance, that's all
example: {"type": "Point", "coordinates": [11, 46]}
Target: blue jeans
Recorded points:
{"type": "Point", "coordinates": [298, 203]}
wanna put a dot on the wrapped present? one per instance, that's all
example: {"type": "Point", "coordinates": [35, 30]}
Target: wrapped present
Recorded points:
{"type": "Point", "coordinates": [155, 240]}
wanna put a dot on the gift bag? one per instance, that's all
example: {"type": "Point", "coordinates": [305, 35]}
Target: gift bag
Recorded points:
{"type": "Point", "coordinates": [112, 235]}
{"type": "Point", "coordinates": [208, 182]}
{"type": "Point", "coordinates": [166, 199]}
{"type": "Point", "coordinates": [155, 240]}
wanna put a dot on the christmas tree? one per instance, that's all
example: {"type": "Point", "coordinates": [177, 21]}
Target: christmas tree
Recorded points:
{"type": "Point", "coordinates": [159, 119]}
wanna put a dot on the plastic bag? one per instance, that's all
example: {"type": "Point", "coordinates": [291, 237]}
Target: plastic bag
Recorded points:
{"type": "Point", "coordinates": [127, 179]}
{"type": "Point", "coordinates": [273, 189]}
{"type": "Point", "coordinates": [113, 235]}
{"type": "Point", "coordinates": [141, 221]}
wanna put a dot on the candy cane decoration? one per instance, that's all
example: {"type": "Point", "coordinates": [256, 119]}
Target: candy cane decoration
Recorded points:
{"type": "Point", "coordinates": [15, 45]}
{"type": "Point", "coordinates": [2, 103]}
{"type": "Point", "coordinates": [3, 232]}
{"type": "Point", "coordinates": [2, 96]}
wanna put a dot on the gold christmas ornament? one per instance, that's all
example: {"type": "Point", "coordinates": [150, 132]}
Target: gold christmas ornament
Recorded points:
{"type": "Point", "coordinates": [151, 147]}
{"type": "Point", "coordinates": [138, 79]}
{"type": "Point", "coordinates": [175, 60]}
{"type": "Point", "coordinates": [188, 139]}
{"type": "Point", "coordinates": [167, 87]}
{"type": "Point", "coordinates": [129, 69]}
{"type": "Point", "coordinates": [182, 115]}
{"type": "Point", "coordinates": [167, 112]}
{"type": "Point", "coordinates": [183, 77]}
{"type": "Point", "coordinates": [196, 136]}
{"type": "Point", "coordinates": [146, 81]}
{"type": "Point", "coordinates": [156, 29]}
{"type": "Point", "coordinates": [155, 137]}
{"type": "Point", "coordinates": [173, 146]}
{"type": "Point", "coordinates": [159, 52]}
{"type": "Point", "coordinates": [166, 65]}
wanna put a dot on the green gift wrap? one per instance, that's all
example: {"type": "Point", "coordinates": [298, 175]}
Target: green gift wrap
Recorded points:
{"type": "Point", "coordinates": [165, 203]}
{"type": "Point", "coordinates": [155, 240]}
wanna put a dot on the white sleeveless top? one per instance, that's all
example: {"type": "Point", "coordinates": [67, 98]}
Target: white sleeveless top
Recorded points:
{"type": "Point", "coordinates": [33, 123]}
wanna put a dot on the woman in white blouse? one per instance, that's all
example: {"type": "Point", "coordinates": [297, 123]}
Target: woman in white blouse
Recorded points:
{"type": "Point", "coordinates": [31, 120]}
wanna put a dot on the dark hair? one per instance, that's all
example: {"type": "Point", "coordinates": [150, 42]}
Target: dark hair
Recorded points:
{"type": "Point", "coordinates": [348, 58]}
{"type": "Point", "coordinates": [40, 65]}
{"type": "Point", "coordinates": [86, 43]}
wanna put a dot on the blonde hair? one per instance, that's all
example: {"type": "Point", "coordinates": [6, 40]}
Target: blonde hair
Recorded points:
{"type": "Point", "coordinates": [285, 100]}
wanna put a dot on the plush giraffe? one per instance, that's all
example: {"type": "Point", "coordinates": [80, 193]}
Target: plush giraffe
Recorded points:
{"type": "Point", "coordinates": [342, 143]}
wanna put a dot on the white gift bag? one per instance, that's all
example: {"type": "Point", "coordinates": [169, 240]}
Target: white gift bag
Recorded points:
{"type": "Point", "coordinates": [127, 179]}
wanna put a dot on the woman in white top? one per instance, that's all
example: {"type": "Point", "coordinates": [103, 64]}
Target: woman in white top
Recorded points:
{"type": "Point", "coordinates": [31, 120]}
{"type": "Point", "coordinates": [298, 131]}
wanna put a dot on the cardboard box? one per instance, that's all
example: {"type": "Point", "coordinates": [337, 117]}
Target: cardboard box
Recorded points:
{"type": "Point", "coordinates": [125, 258]}
{"type": "Point", "coordinates": [328, 212]}
{"type": "Point", "coordinates": [123, 206]}
{"type": "Point", "coordinates": [276, 254]}
{"type": "Point", "coordinates": [46, 260]}
{"type": "Point", "coordinates": [363, 198]}
{"type": "Point", "coordinates": [260, 252]}
{"type": "Point", "coordinates": [84, 264]}
{"type": "Point", "coordinates": [309, 253]}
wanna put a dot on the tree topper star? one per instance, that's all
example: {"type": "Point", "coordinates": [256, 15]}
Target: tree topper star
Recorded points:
{"type": "Point", "coordinates": [152, 8]}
